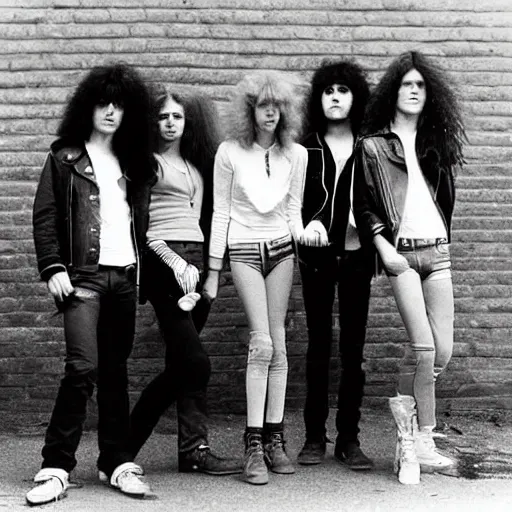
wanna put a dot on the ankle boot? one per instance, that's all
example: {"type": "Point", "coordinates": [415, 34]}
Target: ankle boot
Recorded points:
{"type": "Point", "coordinates": [429, 457]}
{"type": "Point", "coordinates": [255, 470]}
{"type": "Point", "coordinates": [403, 408]}
{"type": "Point", "coordinates": [275, 453]}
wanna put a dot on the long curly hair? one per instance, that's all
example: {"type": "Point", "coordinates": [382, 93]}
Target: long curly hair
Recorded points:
{"type": "Point", "coordinates": [272, 86]}
{"type": "Point", "coordinates": [201, 135]}
{"type": "Point", "coordinates": [440, 132]}
{"type": "Point", "coordinates": [343, 72]}
{"type": "Point", "coordinates": [121, 84]}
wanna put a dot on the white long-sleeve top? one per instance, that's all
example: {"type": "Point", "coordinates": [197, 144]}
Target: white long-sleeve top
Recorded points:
{"type": "Point", "coordinates": [251, 205]}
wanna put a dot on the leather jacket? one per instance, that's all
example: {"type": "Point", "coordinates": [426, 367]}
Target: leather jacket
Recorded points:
{"type": "Point", "coordinates": [66, 215]}
{"type": "Point", "coordinates": [380, 186]}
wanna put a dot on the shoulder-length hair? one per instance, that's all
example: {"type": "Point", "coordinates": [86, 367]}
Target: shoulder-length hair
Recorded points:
{"type": "Point", "coordinates": [201, 134]}
{"type": "Point", "coordinates": [342, 72]}
{"type": "Point", "coordinates": [118, 83]}
{"type": "Point", "coordinates": [440, 131]}
{"type": "Point", "coordinates": [265, 85]}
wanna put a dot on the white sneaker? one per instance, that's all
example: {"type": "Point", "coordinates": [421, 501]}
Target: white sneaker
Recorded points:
{"type": "Point", "coordinates": [429, 457]}
{"type": "Point", "coordinates": [53, 484]}
{"type": "Point", "coordinates": [127, 478]}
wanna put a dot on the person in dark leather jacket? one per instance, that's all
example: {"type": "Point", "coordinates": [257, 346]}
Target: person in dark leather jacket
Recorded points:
{"type": "Point", "coordinates": [90, 218]}
{"type": "Point", "coordinates": [330, 257]}
{"type": "Point", "coordinates": [404, 197]}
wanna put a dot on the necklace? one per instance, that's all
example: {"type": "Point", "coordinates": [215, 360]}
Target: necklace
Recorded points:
{"type": "Point", "coordinates": [192, 187]}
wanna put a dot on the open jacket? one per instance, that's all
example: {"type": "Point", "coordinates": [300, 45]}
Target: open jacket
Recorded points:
{"type": "Point", "coordinates": [66, 215]}
{"type": "Point", "coordinates": [380, 186]}
{"type": "Point", "coordinates": [325, 200]}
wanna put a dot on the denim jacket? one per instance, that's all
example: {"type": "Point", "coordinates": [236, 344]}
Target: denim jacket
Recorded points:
{"type": "Point", "coordinates": [380, 186]}
{"type": "Point", "coordinates": [66, 215]}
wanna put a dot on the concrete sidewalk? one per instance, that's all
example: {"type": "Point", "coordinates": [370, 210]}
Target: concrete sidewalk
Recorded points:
{"type": "Point", "coordinates": [484, 449]}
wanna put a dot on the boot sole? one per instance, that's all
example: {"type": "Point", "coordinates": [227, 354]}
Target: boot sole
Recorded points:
{"type": "Point", "coordinates": [256, 480]}
{"type": "Point", "coordinates": [283, 471]}
{"type": "Point", "coordinates": [213, 473]}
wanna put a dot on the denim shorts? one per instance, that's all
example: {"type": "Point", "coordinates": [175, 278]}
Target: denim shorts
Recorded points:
{"type": "Point", "coordinates": [263, 256]}
{"type": "Point", "coordinates": [426, 259]}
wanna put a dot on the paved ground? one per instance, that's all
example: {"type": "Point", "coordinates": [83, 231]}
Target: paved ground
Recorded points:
{"type": "Point", "coordinates": [484, 448]}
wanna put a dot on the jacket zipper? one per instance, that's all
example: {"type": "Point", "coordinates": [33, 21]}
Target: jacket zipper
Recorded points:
{"type": "Point", "coordinates": [71, 221]}
{"type": "Point", "coordinates": [323, 179]}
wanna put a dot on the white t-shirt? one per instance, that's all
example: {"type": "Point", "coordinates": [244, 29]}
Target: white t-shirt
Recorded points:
{"type": "Point", "coordinates": [116, 245]}
{"type": "Point", "coordinates": [421, 218]}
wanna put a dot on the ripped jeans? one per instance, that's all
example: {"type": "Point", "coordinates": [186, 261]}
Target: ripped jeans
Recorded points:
{"type": "Point", "coordinates": [424, 296]}
{"type": "Point", "coordinates": [99, 326]}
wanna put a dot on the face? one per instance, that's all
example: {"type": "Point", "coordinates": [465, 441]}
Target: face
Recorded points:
{"type": "Point", "coordinates": [267, 115]}
{"type": "Point", "coordinates": [337, 101]}
{"type": "Point", "coordinates": [107, 118]}
{"type": "Point", "coordinates": [412, 94]}
{"type": "Point", "coordinates": [171, 121]}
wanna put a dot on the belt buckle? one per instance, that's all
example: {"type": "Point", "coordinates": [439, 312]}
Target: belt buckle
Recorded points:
{"type": "Point", "coordinates": [405, 244]}
{"type": "Point", "coordinates": [441, 241]}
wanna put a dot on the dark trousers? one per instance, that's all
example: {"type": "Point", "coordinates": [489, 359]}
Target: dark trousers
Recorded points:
{"type": "Point", "coordinates": [352, 273]}
{"type": "Point", "coordinates": [99, 326]}
{"type": "Point", "coordinates": [187, 365]}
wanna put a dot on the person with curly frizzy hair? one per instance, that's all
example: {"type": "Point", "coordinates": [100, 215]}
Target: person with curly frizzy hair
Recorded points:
{"type": "Point", "coordinates": [186, 137]}
{"type": "Point", "coordinates": [258, 182]}
{"type": "Point", "coordinates": [330, 258]}
{"type": "Point", "coordinates": [404, 195]}
{"type": "Point", "coordinates": [90, 213]}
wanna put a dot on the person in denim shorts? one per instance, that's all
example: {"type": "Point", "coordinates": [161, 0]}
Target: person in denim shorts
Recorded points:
{"type": "Point", "coordinates": [404, 197]}
{"type": "Point", "coordinates": [258, 181]}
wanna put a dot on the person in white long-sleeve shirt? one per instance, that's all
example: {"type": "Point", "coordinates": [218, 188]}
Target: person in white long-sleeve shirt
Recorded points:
{"type": "Point", "coordinates": [258, 185]}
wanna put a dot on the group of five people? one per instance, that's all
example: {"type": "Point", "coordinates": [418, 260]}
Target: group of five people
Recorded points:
{"type": "Point", "coordinates": [139, 200]}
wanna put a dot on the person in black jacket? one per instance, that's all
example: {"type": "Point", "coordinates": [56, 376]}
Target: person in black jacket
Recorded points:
{"type": "Point", "coordinates": [89, 219]}
{"type": "Point", "coordinates": [186, 136]}
{"type": "Point", "coordinates": [404, 196]}
{"type": "Point", "coordinates": [330, 257]}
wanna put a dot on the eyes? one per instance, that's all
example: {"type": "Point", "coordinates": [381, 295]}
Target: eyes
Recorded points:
{"type": "Point", "coordinates": [267, 104]}
{"type": "Point", "coordinates": [409, 84]}
{"type": "Point", "coordinates": [342, 89]}
{"type": "Point", "coordinates": [164, 116]}
{"type": "Point", "coordinates": [105, 103]}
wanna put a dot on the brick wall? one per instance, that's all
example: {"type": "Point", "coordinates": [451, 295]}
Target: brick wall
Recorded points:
{"type": "Point", "coordinates": [47, 45]}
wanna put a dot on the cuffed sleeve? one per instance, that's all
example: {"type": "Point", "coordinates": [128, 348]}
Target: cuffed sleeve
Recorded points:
{"type": "Point", "coordinates": [223, 175]}
{"type": "Point", "coordinates": [45, 221]}
{"type": "Point", "coordinates": [296, 192]}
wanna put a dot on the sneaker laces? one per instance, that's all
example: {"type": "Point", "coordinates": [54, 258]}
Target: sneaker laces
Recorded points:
{"type": "Point", "coordinates": [130, 478]}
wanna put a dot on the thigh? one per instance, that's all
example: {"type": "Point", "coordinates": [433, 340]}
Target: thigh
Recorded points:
{"type": "Point", "coordinates": [81, 316]}
{"type": "Point", "coordinates": [250, 286]}
{"type": "Point", "coordinates": [116, 328]}
{"type": "Point", "coordinates": [354, 285]}
{"type": "Point", "coordinates": [278, 286]}
{"type": "Point", "coordinates": [318, 292]}
{"type": "Point", "coordinates": [177, 328]}
{"type": "Point", "coordinates": [408, 293]}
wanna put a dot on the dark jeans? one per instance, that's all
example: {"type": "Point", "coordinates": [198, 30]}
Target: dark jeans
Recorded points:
{"type": "Point", "coordinates": [187, 365]}
{"type": "Point", "coordinates": [99, 326]}
{"type": "Point", "coordinates": [352, 272]}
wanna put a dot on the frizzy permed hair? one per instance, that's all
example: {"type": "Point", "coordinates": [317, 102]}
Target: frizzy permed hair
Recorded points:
{"type": "Point", "coordinates": [266, 85]}
{"type": "Point", "coordinates": [440, 131]}
{"type": "Point", "coordinates": [342, 72]}
{"type": "Point", "coordinates": [201, 135]}
{"type": "Point", "coordinates": [120, 84]}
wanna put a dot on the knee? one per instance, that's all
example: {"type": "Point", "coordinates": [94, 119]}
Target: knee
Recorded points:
{"type": "Point", "coordinates": [424, 357]}
{"type": "Point", "coordinates": [196, 371]}
{"type": "Point", "coordinates": [85, 379]}
{"type": "Point", "coordinates": [279, 360]}
{"type": "Point", "coordinates": [442, 359]}
{"type": "Point", "coordinates": [261, 350]}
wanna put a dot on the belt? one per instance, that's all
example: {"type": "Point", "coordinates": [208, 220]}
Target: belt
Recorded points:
{"type": "Point", "coordinates": [409, 244]}
{"type": "Point", "coordinates": [126, 269]}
